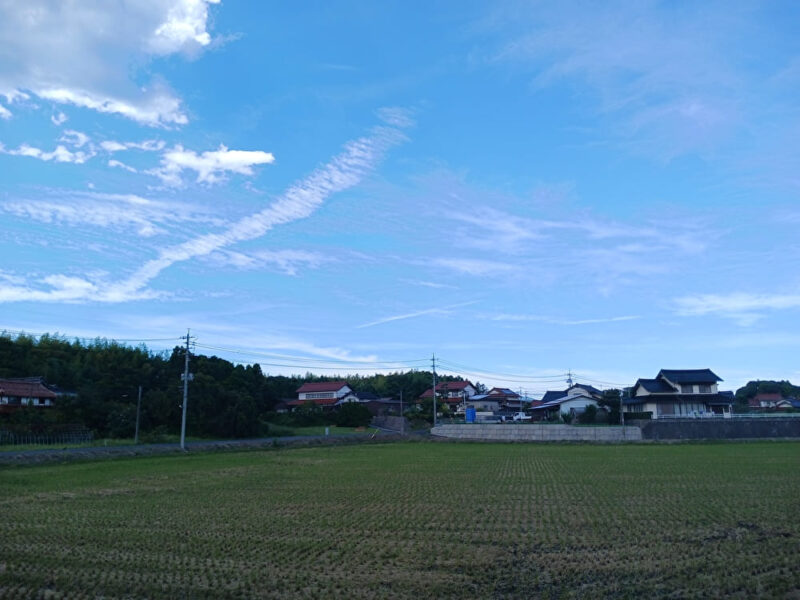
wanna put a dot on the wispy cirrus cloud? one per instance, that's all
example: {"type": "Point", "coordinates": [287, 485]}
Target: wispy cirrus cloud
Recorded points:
{"type": "Point", "coordinates": [121, 212]}
{"type": "Point", "coordinates": [671, 77]}
{"type": "Point", "coordinates": [552, 320]}
{"type": "Point", "coordinates": [289, 262]}
{"type": "Point", "coordinates": [146, 145]}
{"type": "Point", "coordinates": [477, 267]}
{"type": "Point", "coordinates": [742, 307]}
{"type": "Point", "coordinates": [443, 310]}
{"type": "Point", "coordinates": [349, 168]}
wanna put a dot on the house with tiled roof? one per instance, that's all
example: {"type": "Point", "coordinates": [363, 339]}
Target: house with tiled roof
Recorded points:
{"type": "Point", "coordinates": [325, 394]}
{"type": "Point", "coordinates": [496, 399]}
{"type": "Point", "coordinates": [451, 393]}
{"type": "Point", "coordinates": [679, 393]}
{"type": "Point", "coordinates": [770, 401]}
{"type": "Point", "coordinates": [27, 391]}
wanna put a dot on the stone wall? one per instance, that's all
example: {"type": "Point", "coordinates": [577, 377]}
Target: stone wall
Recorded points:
{"type": "Point", "coordinates": [720, 429]}
{"type": "Point", "coordinates": [538, 433]}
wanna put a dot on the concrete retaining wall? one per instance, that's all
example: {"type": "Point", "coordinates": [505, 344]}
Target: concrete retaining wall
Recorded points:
{"type": "Point", "coordinates": [720, 429]}
{"type": "Point", "coordinates": [395, 423]}
{"type": "Point", "coordinates": [538, 433]}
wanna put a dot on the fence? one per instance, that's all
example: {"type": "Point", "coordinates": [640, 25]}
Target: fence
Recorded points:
{"type": "Point", "coordinates": [759, 415]}
{"type": "Point", "coordinates": [10, 438]}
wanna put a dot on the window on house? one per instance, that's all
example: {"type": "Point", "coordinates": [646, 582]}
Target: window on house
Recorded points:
{"type": "Point", "coordinates": [686, 388]}
{"type": "Point", "coordinates": [705, 389]}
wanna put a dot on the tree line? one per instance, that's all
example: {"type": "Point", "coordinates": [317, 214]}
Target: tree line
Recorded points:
{"type": "Point", "coordinates": [103, 377]}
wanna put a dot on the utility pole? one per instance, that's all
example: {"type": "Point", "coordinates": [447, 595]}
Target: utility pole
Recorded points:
{"type": "Point", "coordinates": [138, 413]}
{"type": "Point", "coordinates": [433, 364]}
{"type": "Point", "coordinates": [402, 416]}
{"type": "Point", "coordinates": [185, 393]}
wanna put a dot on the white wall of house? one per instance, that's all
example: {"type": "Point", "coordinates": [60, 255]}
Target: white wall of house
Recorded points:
{"type": "Point", "coordinates": [577, 404]}
{"type": "Point", "coordinates": [320, 395]}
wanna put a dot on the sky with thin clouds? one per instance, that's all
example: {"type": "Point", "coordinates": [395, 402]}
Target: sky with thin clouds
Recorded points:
{"type": "Point", "coordinates": [521, 188]}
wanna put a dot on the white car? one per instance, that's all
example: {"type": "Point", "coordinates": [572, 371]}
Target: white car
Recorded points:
{"type": "Point", "coordinates": [521, 416]}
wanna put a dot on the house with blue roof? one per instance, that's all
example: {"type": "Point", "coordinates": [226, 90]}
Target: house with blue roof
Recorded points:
{"type": "Point", "coordinates": [680, 393]}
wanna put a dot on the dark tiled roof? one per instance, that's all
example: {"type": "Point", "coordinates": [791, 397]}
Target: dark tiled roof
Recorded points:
{"type": "Point", "coordinates": [721, 398]}
{"type": "Point", "coordinates": [366, 396]}
{"type": "Point", "coordinates": [25, 388]}
{"type": "Point", "coordinates": [549, 396]}
{"type": "Point", "coordinates": [656, 386]}
{"type": "Point", "coordinates": [689, 375]}
{"type": "Point", "coordinates": [322, 386]}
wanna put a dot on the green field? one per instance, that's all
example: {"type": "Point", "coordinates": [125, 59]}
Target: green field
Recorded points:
{"type": "Point", "coordinates": [421, 520]}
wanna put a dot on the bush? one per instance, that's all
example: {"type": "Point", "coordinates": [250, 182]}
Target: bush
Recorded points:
{"type": "Point", "coordinates": [589, 415]}
{"type": "Point", "coordinates": [353, 414]}
{"type": "Point", "coordinates": [567, 417]}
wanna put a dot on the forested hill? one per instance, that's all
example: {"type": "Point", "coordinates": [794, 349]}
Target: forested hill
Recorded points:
{"type": "Point", "coordinates": [225, 399]}
{"type": "Point", "coordinates": [784, 388]}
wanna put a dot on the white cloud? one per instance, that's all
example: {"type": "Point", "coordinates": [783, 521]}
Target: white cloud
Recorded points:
{"type": "Point", "coordinates": [121, 165]}
{"type": "Point", "coordinates": [744, 308]}
{"type": "Point", "coordinates": [554, 321]}
{"type": "Point", "coordinates": [476, 267]}
{"type": "Point", "coordinates": [444, 310]}
{"type": "Point", "coordinates": [344, 171]}
{"type": "Point", "coordinates": [156, 108]}
{"type": "Point", "coordinates": [4, 112]}
{"type": "Point", "coordinates": [210, 166]}
{"type": "Point", "coordinates": [60, 154]}
{"type": "Point", "coordinates": [82, 53]}
{"type": "Point", "coordinates": [147, 145]}
{"type": "Point", "coordinates": [668, 76]}
{"type": "Point", "coordinates": [58, 119]}
{"type": "Point", "coordinates": [286, 261]}
{"type": "Point", "coordinates": [396, 116]}
{"type": "Point", "coordinates": [121, 212]}
{"type": "Point", "coordinates": [74, 138]}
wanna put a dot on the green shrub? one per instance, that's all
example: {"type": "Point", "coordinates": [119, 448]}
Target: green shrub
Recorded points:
{"type": "Point", "coordinates": [353, 414]}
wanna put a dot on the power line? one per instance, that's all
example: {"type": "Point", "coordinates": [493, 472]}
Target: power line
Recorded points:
{"type": "Point", "coordinates": [403, 362]}
{"type": "Point", "coordinates": [498, 375]}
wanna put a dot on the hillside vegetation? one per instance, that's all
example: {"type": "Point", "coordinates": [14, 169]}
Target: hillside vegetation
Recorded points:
{"type": "Point", "coordinates": [225, 399]}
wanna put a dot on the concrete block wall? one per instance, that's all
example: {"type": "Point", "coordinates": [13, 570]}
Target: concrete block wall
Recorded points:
{"type": "Point", "coordinates": [538, 433]}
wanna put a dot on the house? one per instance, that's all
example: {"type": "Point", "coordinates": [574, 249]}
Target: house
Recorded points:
{"type": "Point", "coordinates": [573, 403]}
{"type": "Point", "coordinates": [26, 391]}
{"type": "Point", "coordinates": [324, 394]}
{"type": "Point", "coordinates": [496, 399]}
{"type": "Point", "coordinates": [679, 393]}
{"type": "Point", "coordinates": [770, 401]}
{"type": "Point", "coordinates": [573, 400]}
{"type": "Point", "coordinates": [451, 393]}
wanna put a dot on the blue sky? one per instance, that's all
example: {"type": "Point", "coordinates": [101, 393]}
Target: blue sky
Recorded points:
{"type": "Point", "coordinates": [522, 188]}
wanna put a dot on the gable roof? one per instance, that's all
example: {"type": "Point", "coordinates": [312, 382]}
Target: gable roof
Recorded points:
{"type": "Point", "coordinates": [503, 392]}
{"type": "Point", "coordinates": [322, 386]}
{"type": "Point", "coordinates": [689, 375]}
{"type": "Point", "coordinates": [30, 387]}
{"type": "Point", "coordinates": [551, 395]}
{"type": "Point", "coordinates": [449, 386]}
{"type": "Point", "coordinates": [654, 386]}
{"type": "Point", "coordinates": [589, 388]}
